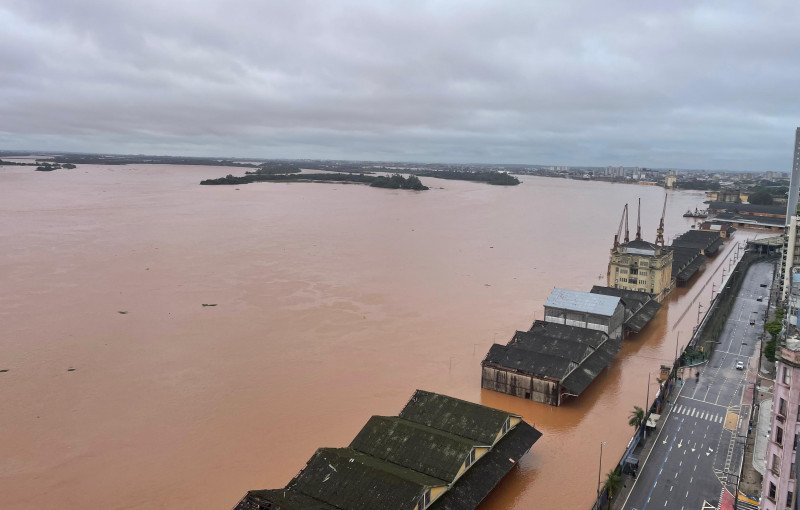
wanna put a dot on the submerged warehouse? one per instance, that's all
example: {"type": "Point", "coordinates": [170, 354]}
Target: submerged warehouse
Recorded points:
{"type": "Point", "coordinates": [549, 362]}
{"type": "Point", "coordinates": [440, 453]}
{"type": "Point", "coordinates": [582, 331]}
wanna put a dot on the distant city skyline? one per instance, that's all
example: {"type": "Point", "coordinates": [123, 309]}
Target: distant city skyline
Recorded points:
{"type": "Point", "coordinates": [702, 85]}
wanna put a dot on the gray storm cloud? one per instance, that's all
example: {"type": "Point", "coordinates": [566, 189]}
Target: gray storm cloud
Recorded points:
{"type": "Point", "coordinates": [662, 84]}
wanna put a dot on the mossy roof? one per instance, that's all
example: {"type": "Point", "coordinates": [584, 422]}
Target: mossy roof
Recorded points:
{"type": "Point", "coordinates": [414, 446]}
{"type": "Point", "coordinates": [349, 479]}
{"type": "Point", "coordinates": [459, 417]}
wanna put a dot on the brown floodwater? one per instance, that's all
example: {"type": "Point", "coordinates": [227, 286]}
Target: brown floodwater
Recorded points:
{"type": "Point", "coordinates": [334, 303]}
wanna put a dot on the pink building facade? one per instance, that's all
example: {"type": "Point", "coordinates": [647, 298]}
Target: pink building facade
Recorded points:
{"type": "Point", "coordinates": [780, 480]}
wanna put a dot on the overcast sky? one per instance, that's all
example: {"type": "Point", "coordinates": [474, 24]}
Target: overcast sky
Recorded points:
{"type": "Point", "coordinates": [686, 85]}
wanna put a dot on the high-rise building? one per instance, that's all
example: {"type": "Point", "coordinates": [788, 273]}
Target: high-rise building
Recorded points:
{"type": "Point", "coordinates": [791, 247]}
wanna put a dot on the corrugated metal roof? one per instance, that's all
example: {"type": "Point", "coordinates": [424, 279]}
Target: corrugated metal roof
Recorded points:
{"type": "Point", "coordinates": [578, 301]}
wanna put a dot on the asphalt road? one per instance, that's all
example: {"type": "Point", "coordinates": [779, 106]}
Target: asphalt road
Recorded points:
{"type": "Point", "coordinates": [697, 442]}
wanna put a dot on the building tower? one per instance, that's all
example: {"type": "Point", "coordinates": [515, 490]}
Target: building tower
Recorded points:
{"type": "Point", "coordinates": [640, 265]}
{"type": "Point", "coordinates": [791, 245]}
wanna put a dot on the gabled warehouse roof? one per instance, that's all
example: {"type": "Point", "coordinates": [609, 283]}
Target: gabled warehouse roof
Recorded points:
{"type": "Point", "coordinates": [585, 302]}
{"type": "Point", "coordinates": [477, 422]}
{"type": "Point", "coordinates": [575, 359]}
{"type": "Point", "coordinates": [640, 307]}
{"type": "Point", "coordinates": [394, 460]}
{"type": "Point", "coordinates": [405, 443]}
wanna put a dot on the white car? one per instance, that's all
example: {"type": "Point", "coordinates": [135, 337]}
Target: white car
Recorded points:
{"type": "Point", "coordinates": [739, 365]}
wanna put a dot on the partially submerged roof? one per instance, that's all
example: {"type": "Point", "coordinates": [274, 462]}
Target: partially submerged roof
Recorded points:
{"type": "Point", "coordinates": [394, 461]}
{"type": "Point", "coordinates": [405, 443]}
{"type": "Point", "coordinates": [642, 316]}
{"type": "Point", "coordinates": [280, 499]}
{"type": "Point", "coordinates": [477, 422]}
{"type": "Point", "coordinates": [640, 307]}
{"type": "Point", "coordinates": [585, 302]}
{"type": "Point", "coordinates": [478, 482]}
{"type": "Point", "coordinates": [345, 478]}
{"type": "Point", "coordinates": [576, 357]}
{"type": "Point", "coordinates": [686, 261]}
{"type": "Point", "coordinates": [706, 240]}
{"type": "Point", "coordinates": [583, 375]}
{"type": "Point", "coordinates": [631, 299]}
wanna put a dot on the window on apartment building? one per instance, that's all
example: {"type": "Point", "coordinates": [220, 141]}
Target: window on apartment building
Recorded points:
{"type": "Point", "coordinates": [798, 413]}
{"type": "Point", "coordinates": [779, 435]}
{"type": "Point", "coordinates": [782, 407]}
{"type": "Point", "coordinates": [787, 378]}
{"type": "Point", "coordinates": [776, 464]}
{"type": "Point", "coordinates": [796, 440]}
{"type": "Point", "coordinates": [791, 471]}
{"type": "Point", "coordinates": [789, 496]}
{"type": "Point", "coordinates": [772, 490]}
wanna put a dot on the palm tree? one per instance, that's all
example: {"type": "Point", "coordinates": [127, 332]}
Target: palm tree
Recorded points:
{"type": "Point", "coordinates": [636, 417]}
{"type": "Point", "coordinates": [613, 483]}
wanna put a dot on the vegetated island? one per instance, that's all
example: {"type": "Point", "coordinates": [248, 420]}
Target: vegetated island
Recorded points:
{"type": "Point", "coordinates": [496, 178]}
{"type": "Point", "coordinates": [49, 167]}
{"type": "Point", "coordinates": [41, 165]}
{"type": "Point", "coordinates": [395, 181]}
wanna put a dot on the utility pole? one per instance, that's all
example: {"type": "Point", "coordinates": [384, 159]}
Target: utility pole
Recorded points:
{"type": "Point", "coordinates": [600, 469]}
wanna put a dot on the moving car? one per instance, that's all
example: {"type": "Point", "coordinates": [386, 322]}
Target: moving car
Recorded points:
{"type": "Point", "coordinates": [752, 322]}
{"type": "Point", "coordinates": [739, 365]}
{"type": "Point", "coordinates": [760, 298]}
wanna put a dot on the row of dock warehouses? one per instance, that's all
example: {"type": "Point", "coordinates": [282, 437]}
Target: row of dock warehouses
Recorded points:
{"type": "Point", "coordinates": [442, 453]}
{"type": "Point", "coordinates": [582, 332]}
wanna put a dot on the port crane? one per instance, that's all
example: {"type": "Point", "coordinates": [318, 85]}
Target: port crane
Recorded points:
{"type": "Point", "coordinates": [639, 221]}
{"type": "Point", "coordinates": [622, 221]}
{"type": "Point", "coordinates": [660, 230]}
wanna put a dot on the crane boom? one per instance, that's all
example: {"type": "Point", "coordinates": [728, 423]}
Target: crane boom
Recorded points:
{"type": "Point", "coordinates": [621, 222]}
{"type": "Point", "coordinates": [627, 234]}
{"type": "Point", "coordinates": [660, 231]}
{"type": "Point", "coordinates": [639, 221]}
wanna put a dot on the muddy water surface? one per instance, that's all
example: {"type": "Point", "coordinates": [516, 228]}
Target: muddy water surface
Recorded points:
{"type": "Point", "coordinates": [333, 303]}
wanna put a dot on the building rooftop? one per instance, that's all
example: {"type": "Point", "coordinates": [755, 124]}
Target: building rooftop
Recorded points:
{"type": "Point", "coordinates": [579, 301]}
{"type": "Point", "coordinates": [394, 460]}
{"type": "Point", "coordinates": [424, 449]}
{"type": "Point", "coordinates": [631, 299]}
{"type": "Point", "coordinates": [474, 421]}
{"type": "Point", "coordinates": [345, 478]}
{"type": "Point", "coordinates": [778, 210]}
{"type": "Point", "coordinates": [572, 355]}
{"type": "Point", "coordinates": [706, 240]}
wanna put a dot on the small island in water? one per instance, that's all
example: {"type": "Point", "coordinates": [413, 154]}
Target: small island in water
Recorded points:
{"type": "Point", "coordinates": [395, 181]}
{"type": "Point", "coordinates": [354, 173]}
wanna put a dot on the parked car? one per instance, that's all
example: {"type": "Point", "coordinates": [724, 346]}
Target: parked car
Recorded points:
{"type": "Point", "coordinates": [739, 365]}
{"type": "Point", "coordinates": [763, 285]}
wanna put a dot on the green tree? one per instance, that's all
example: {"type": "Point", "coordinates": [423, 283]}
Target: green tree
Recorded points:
{"type": "Point", "coordinates": [774, 328]}
{"type": "Point", "coordinates": [613, 483]}
{"type": "Point", "coordinates": [769, 350]}
{"type": "Point", "coordinates": [760, 198]}
{"type": "Point", "coordinates": [636, 417]}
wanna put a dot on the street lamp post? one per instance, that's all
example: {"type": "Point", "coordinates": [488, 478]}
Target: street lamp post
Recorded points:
{"type": "Point", "coordinates": [600, 469]}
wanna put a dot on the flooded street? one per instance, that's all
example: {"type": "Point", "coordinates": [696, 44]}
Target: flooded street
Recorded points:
{"type": "Point", "coordinates": [333, 303]}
